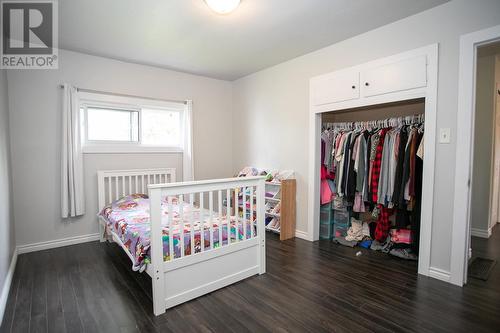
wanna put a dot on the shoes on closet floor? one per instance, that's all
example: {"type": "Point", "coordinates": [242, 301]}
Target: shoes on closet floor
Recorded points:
{"type": "Point", "coordinates": [343, 241]}
{"type": "Point", "coordinates": [404, 254]}
{"type": "Point", "coordinates": [366, 243]}
{"type": "Point", "coordinates": [386, 248]}
{"type": "Point", "coordinates": [376, 245]}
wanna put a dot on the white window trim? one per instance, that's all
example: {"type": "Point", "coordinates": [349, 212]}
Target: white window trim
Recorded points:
{"type": "Point", "coordinates": [129, 149]}
{"type": "Point", "coordinates": [131, 104]}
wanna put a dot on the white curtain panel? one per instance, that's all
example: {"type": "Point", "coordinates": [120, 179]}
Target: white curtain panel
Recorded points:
{"type": "Point", "coordinates": [72, 192]}
{"type": "Point", "coordinates": [188, 161]}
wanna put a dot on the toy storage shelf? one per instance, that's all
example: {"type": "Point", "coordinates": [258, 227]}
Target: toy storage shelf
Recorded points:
{"type": "Point", "coordinates": [284, 196]}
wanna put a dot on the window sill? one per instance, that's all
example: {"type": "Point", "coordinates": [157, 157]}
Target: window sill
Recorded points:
{"type": "Point", "coordinates": [130, 150]}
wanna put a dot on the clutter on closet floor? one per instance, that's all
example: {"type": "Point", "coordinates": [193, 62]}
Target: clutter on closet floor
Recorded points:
{"type": "Point", "coordinates": [279, 198]}
{"type": "Point", "coordinates": [371, 184]}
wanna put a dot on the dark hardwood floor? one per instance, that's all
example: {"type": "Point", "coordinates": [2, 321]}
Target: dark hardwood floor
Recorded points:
{"type": "Point", "coordinates": [309, 287]}
{"type": "Point", "coordinates": [488, 248]}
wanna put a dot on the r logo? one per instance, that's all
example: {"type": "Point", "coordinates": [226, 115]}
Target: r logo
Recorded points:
{"type": "Point", "coordinates": [29, 34]}
{"type": "Point", "coordinates": [27, 27]}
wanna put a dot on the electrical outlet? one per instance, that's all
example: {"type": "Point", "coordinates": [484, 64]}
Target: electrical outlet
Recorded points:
{"type": "Point", "coordinates": [444, 135]}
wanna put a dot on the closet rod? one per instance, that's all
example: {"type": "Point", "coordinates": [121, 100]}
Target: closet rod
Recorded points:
{"type": "Point", "coordinates": [125, 95]}
{"type": "Point", "coordinates": [407, 120]}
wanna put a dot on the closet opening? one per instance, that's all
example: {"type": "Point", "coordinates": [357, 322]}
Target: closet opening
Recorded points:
{"type": "Point", "coordinates": [484, 239]}
{"type": "Point", "coordinates": [371, 180]}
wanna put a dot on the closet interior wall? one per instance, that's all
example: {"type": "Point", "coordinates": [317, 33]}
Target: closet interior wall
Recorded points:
{"type": "Point", "coordinates": [377, 112]}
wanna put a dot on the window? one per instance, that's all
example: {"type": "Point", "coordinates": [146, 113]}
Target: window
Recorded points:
{"type": "Point", "coordinates": [161, 127]}
{"type": "Point", "coordinates": [105, 124]}
{"type": "Point", "coordinates": [122, 124]}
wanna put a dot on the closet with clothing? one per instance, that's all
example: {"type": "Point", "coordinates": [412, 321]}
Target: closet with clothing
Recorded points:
{"type": "Point", "coordinates": [371, 177]}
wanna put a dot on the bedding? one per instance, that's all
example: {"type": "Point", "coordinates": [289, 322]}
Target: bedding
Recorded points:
{"type": "Point", "coordinates": [128, 219]}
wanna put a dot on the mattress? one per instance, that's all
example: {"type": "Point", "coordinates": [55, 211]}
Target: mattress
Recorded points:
{"type": "Point", "coordinates": [128, 219]}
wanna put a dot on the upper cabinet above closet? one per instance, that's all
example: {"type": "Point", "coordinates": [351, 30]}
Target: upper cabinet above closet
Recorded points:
{"type": "Point", "coordinates": [336, 87]}
{"type": "Point", "coordinates": [395, 78]}
{"type": "Point", "coordinates": [402, 75]}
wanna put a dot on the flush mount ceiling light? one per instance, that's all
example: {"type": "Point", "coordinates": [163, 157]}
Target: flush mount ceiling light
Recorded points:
{"type": "Point", "coordinates": [223, 6]}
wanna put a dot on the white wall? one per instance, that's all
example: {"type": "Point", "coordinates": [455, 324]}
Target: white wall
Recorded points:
{"type": "Point", "coordinates": [483, 142]}
{"type": "Point", "coordinates": [271, 106]}
{"type": "Point", "coordinates": [7, 239]}
{"type": "Point", "coordinates": [35, 121]}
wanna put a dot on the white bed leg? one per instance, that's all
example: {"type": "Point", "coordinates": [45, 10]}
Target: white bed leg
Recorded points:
{"type": "Point", "coordinates": [261, 226]}
{"type": "Point", "coordinates": [102, 229]}
{"type": "Point", "coordinates": [158, 276]}
{"type": "Point", "coordinates": [158, 310]}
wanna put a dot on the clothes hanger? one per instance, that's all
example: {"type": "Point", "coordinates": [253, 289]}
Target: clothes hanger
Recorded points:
{"type": "Point", "coordinates": [414, 121]}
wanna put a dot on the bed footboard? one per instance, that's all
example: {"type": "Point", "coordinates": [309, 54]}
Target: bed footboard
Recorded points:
{"type": "Point", "coordinates": [224, 243]}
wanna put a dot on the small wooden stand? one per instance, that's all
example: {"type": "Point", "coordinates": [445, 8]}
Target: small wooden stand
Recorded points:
{"type": "Point", "coordinates": [287, 215]}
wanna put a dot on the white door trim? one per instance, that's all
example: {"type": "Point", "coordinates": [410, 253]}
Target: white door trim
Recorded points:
{"type": "Point", "coordinates": [465, 141]}
{"type": "Point", "coordinates": [495, 161]}
{"type": "Point", "coordinates": [430, 95]}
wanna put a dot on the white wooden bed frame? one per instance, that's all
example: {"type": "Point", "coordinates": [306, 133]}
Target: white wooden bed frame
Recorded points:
{"type": "Point", "coordinates": [178, 280]}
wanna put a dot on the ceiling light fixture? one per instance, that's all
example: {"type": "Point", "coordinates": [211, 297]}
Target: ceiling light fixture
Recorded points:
{"type": "Point", "coordinates": [223, 6]}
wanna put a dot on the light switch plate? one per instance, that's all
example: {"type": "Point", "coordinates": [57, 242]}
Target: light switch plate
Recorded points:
{"type": "Point", "coordinates": [444, 135]}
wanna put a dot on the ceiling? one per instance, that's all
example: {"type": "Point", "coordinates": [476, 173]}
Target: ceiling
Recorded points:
{"type": "Point", "coordinates": [186, 35]}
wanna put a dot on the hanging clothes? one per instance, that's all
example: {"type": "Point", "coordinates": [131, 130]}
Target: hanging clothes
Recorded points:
{"type": "Point", "coordinates": [398, 177]}
{"type": "Point", "coordinates": [376, 165]}
{"type": "Point", "coordinates": [383, 223]}
{"type": "Point", "coordinates": [326, 192]}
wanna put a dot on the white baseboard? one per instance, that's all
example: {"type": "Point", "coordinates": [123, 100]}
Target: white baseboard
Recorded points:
{"type": "Point", "coordinates": [6, 285]}
{"type": "Point", "coordinates": [480, 232]}
{"type": "Point", "coordinates": [302, 235]}
{"type": "Point", "coordinates": [56, 243]}
{"type": "Point", "coordinates": [439, 274]}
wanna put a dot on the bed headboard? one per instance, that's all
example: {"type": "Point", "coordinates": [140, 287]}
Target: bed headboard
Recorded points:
{"type": "Point", "coordinates": [113, 184]}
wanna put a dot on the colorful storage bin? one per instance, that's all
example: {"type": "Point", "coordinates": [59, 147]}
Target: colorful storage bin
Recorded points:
{"type": "Point", "coordinates": [341, 217]}
{"type": "Point", "coordinates": [326, 214]}
{"type": "Point", "coordinates": [340, 230]}
{"type": "Point", "coordinates": [326, 222]}
{"type": "Point", "coordinates": [326, 231]}
{"type": "Point", "coordinates": [341, 222]}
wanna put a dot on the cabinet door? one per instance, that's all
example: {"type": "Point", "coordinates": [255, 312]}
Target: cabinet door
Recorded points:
{"type": "Point", "coordinates": [402, 75]}
{"type": "Point", "coordinates": [335, 87]}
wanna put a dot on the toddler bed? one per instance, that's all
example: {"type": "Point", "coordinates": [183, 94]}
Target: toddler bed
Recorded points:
{"type": "Point", "coordinates": [211, 247]}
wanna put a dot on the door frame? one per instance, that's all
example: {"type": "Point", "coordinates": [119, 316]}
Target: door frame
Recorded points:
{"type": "Point", "coordinates": [495, 163]}
{"type": "Point", "coordinates": [430, 94]}
{"type": "Point", "coordinates": [464, 154]}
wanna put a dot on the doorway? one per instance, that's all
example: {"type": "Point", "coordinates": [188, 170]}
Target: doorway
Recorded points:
{"type": "Point", "coordinates": [485, 184]}
{"type": "Point", "coordinates": [476, 180]}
